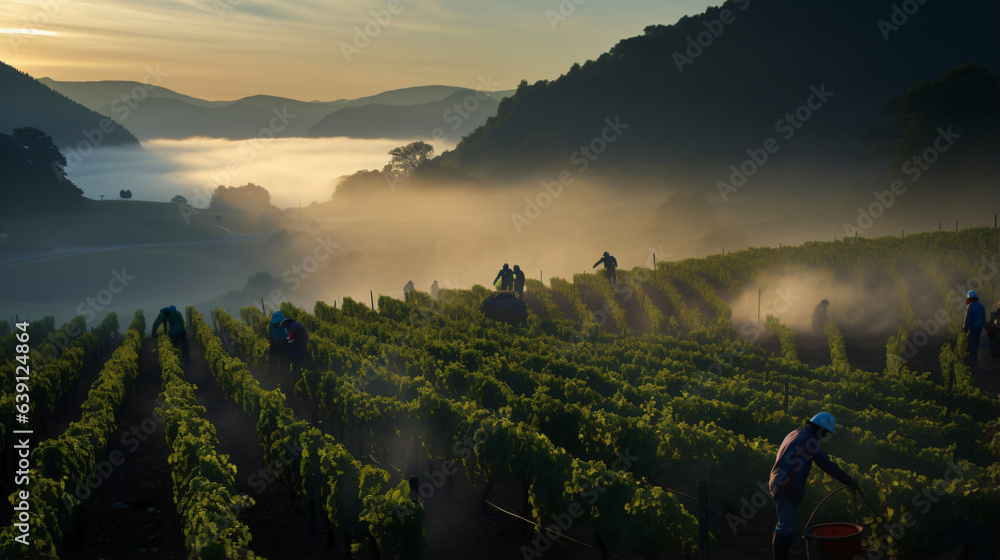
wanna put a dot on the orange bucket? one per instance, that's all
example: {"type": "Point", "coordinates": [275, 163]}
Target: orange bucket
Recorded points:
{"type": "Point", "coordinates": [833, 541]}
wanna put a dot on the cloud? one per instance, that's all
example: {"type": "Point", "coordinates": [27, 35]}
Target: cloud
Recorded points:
{"type": "Point", "coordinates": [228, 49]}
{"type": "Point", "coordinates": [25, 31]}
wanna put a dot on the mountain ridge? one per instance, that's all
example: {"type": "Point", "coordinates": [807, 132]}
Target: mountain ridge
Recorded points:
{"type": "Point", "coordinates": [450, 118]}
{"type": "Point", "coordinates": [712, 87]}
{"type": "Point", "coordinates": [164, 113]}
{"type": "Point", "coordinates": [69, 123]}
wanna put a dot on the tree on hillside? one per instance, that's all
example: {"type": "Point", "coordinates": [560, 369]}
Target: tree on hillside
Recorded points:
{"type": "Point", "coordinates": [179, 200]}
{"type": "Point", "coordinates": [247, 199]}
{"type": "Point", "coordinates": [32, 172]}
{"type": "Point", "coordinates": [40, 150]}
{"type": "Point", "coordinates": [364, 181]}
{"type": "Point", "coordinates": [406, 159]}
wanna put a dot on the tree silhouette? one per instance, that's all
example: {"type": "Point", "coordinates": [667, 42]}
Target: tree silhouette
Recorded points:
{"type": "Point", "coordinates": [406, 159]}
{"type": "Point", "coordinates": [966, 97]}
{"type": "Point", "coordinates": [179, 200]}
{"type": "Point", "coordinates": [363, 182]}
{"type": "Point", "coordinates": [40, 150]}
{"type": "Point", "coordinates": [32, 172]}
{"type": "Point", "coordinates": [249, 198]}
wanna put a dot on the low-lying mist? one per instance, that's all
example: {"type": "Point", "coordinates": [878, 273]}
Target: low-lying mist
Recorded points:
{"type": "Point", "coordinates": [862, 306]}
{"type": "Point", "coordinates": [293, 170]}
{"type": "Point", "coordinates": [460, 234]}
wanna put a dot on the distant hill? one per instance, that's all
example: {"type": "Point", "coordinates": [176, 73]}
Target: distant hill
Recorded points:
{"type": "Point", "coordinates": [451, 118]}
{"type": "Point", "coordinates": [705, 90]}
{"type": "Point", "coordinates": [96, 95]}
{"type": "Point", "coordinates": [164, 113]}
{"type": "Point", "coordinates": [26, 102]}
{"type": "Point", "coordinates": [412, 96]}
{"type": "Point", "coordinates": [162, 117]}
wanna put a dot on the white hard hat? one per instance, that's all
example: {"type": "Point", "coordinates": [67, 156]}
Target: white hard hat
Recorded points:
{"type": "Point", "coordinates": [825, 420]}
{"type": "Point", "coordinates": [972, 294]}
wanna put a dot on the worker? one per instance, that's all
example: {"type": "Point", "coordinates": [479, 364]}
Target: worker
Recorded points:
{"type": "Point", "coordinates": [819, 318]}
{"type": "Point", "coordinates": [277, 335]}
{"type": "Point", "coordinates": [298, 338]}
{"type": "Point", "coordinates": [610, 264]}
{"type": "Point", "coordinates": [791, 469]}
{"type": "Point", "coordinates": [274, 330]}
{"type": "Point", "coordinates": [173, 325]}
{"type": "Point", "coordinates": [519, 281]}
{"type": "Point", "coordinates": [506, 278]}
{"type": "Point", "coordinates": [975, 320]}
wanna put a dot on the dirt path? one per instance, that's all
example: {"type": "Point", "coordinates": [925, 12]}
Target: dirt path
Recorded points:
{"type": "Point", "coordinates": [534, 305]}
{"type": "Point", "coordinates": [595, 302]}
{"type": "Point", "coordinates": [456, 524]}
{"type": "Point", "coordinates": [659, 300]}
{"type": "Point", "coordinates": [279, 521]}
{"type": "Point", "coordinates": [68, 410]}
{"type": "Point", "coordinates": [565, 307]}
{"type": "Point", "coordinates": [693, 299]}
{"type": "Point", "coordinates": [132, 512]}
{"type": "Point", "coordinates": [635, 315]}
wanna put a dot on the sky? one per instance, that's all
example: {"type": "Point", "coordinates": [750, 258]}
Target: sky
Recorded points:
{"type": "Point", "coordinates": [319, 49]}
